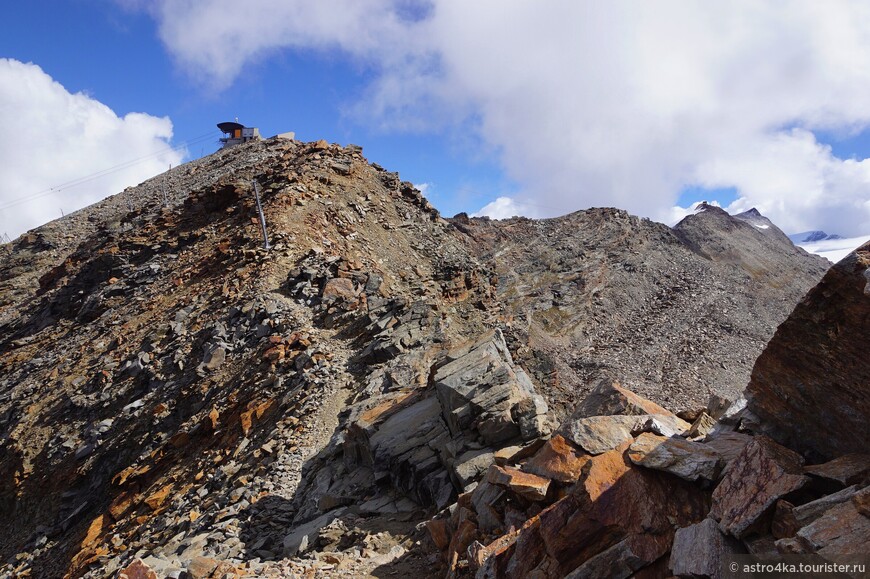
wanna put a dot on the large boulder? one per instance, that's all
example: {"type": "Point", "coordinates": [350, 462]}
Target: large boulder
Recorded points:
{"type": "Point", "coordinates": [618, 515]}
{"type": "Point", "coordinates": [815, 367]}
{"type": "Point", "coordinates": [481, 389]}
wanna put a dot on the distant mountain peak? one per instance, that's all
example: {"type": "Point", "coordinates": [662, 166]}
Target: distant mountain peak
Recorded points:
{"type": "Point", "coordinates": [812, 236]}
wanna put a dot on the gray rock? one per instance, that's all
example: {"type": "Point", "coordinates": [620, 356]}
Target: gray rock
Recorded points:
{"type": "Point", "coordinates": [809, 512]}
{"type": "Point", "coordinates": [480, 389]}
{"type": "Point", "coordinates": [214, 357]}
{"type": "Point", "coordinates": [616, 562]}
{"type": "Point", "coordinates": [701, 550]}
{"type": "Point", "coordinates": [688, 460]}
{"type": "Point", "coordinates": [305, 534]}
{"type": "Point", "coordinates": [470, 466]}
{"type": "Point", "coordinates": [762, 474]}
{"type": "Point", "coordinates": [598, 434]}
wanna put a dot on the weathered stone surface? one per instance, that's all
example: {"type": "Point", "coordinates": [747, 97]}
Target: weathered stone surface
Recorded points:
{"type": "Point", "coordinates": [701, 426]}
{"type": "Point", "coordinates": [527, 485]}
{"type": "Point", "coordinates": [662, 424]}
{"type": "Point", "coordinates": [608, 398]}
{"type": "Point", "coordinates": [846, 470]}
{"type": "Point", "coordinates": [729, 445]}
{"type": "Point", "coordinates": [862, 501]}
{"type": "Point", "coordinates": [688, 460]}
{"type": "Point", "coordinates": [699, 550]}
{"type": "Point", "coordinates": [137, 570]}
{"type": "Point", "coordinates": [339, 288]}
{"type": "Point", "coordinates": [401, 452]}
{"type": "Point", "coordinates": [815, 367]}
{"type": "Point", "coordinates": [614, 503]}
{"type": "Point", "coordinates": [304, 535]}
{"type": "Point", "coordinates": [214, 358]}
{"type": "Point", "coordinates": [439, 530]}
{"type": "Point", "coordinates": [717, 405]}
{"type": "Point", "coordinates": [469, 466]}
{"type": "Point", "coordinates": [617, 562]}
{"type": "Point", "coordinates": [809, 512]}
{"type": "Point", "coordinates": [484, 498]}
{"type": "Point", "coordinates": [783, 523]}
{"type": "Point", "coordinates": [763, 473]}
{"type": "Point", "coordinates": [558, 460]}
{"type": "Point", "coordinates": [842, 530]}
{"type": "Point", "coordinates": [480, 389]}
{"type": "Point", "coordinates": [599, 434]}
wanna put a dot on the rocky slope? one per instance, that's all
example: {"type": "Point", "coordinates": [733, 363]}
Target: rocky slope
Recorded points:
{"type": "Point", "coordinates": [676, 314]}
{"type": "Point", "coordinates": [174, 399]}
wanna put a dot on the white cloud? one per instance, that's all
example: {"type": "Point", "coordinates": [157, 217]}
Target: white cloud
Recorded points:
{"type": "Point", "coordinates": [424, 188]}
{"type": "Point", "coordinates": [835, 249]}
{"type": "Point", "coordinates": [677, 213]}
{"type": "Point", "coordinates": [594, 103]}
{"type": "Point", "coordinates": [505, 208]}
{"type": "Point", "coordinates": [53, 138]}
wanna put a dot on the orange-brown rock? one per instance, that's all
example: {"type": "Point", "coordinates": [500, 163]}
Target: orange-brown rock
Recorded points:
{"type": "Point", "coordinates": [156, 499]}
{"type": "Point", "coordinates": [558, 460]}
{"type": "Point", "coordinates": [815, 367]}
{"type": "Point", "coordinates": [608, 398]}
{"type": "Point", "coordinates": [439, 530]}
{"type": "Point", "coordinates": [462, 538]}
{"type": "Point", "coordinates": [626, 504]}
{"type": "Point", "coordinates": [784, 523]}
{"type": "Point", "coordinates": [94, 532]}
{"type": "Point", "coordinates": [339, 288]}
{"type": "Point", "coordinates": [137, 570]}
{"type": "Point", "coordinates": [764, 473]}
{"type": "Point", "coordinates": [121, 505]}
{"type": "Point", "coordinates": [529, 486]}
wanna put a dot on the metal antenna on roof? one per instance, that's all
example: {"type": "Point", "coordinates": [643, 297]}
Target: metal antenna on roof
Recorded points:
{"type": "Point", "coordinates": [262, 217]}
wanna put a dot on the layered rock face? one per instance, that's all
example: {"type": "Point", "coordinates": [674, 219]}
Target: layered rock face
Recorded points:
{"type": "Point", "coordinates": [809, 386]}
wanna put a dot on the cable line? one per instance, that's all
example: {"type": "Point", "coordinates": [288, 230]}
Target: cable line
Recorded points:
{"type": "Point", "coordinates": [104, 172]}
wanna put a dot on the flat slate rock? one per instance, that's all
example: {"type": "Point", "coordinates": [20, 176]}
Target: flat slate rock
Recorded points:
{"type": "Point", "coordinates": [763, 473]}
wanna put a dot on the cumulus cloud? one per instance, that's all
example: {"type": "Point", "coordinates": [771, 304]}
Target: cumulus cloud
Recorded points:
{"type": "Point", "coordinates": [505, 208]}
{"type": "Point", "coordinates": [594, 103]}
{"type": "Point", "coordinates": [54, 138]}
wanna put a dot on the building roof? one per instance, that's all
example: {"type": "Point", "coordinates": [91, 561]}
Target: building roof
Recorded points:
{"type": "Point", "coordinates": [229, 126]}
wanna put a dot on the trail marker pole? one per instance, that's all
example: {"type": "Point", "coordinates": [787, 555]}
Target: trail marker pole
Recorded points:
{"type": "Point", "coordinates": [262, 217]}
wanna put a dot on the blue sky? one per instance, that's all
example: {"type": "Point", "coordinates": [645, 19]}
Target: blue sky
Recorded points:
{"type": "Point", "coordinates": [113, 55]}
{"type": "Point", "coordinates": [497, 107]}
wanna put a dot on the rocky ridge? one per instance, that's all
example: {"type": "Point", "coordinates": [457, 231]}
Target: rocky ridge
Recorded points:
{"type": "Point", "coordinates": [384, 391]}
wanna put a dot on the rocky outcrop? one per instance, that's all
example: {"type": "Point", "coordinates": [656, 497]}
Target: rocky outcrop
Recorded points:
{"type": "Point", "coordinates": [809, 386]}
{"type": "Point", "coordinates": [651, 505]}
{"type": "Point", "coordinates": [429, 441]}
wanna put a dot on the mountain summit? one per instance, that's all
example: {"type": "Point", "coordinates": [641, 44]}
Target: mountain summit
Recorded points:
{"type": "Point", "coordinates": [176, 398]}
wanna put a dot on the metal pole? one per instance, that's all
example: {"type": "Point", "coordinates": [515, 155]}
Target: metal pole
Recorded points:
{"type": "Point", "coordinates": [262, 217]}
